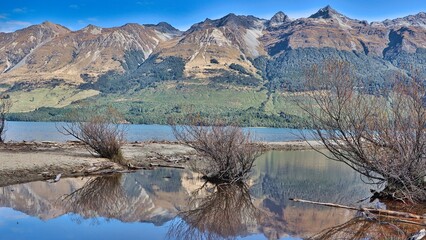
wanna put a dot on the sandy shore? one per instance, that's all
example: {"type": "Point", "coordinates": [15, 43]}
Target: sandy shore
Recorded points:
{"type": "Point", "coordinates": [30, 161]}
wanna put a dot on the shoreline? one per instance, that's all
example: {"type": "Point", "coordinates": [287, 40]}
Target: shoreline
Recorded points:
{"type": "Point", "coordinates": [22, 162]}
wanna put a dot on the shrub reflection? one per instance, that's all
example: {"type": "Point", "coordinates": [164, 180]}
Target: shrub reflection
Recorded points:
{"type": "Point", "coordinates": [368, 227]}
{"type": "Point", "coordinates": [99, 197]}
{"type": "Point", "coordinates": [221, 211]}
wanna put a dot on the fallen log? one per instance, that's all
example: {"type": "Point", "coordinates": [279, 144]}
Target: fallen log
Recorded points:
{"type": "Point", "coordinates": [363, 209]}
{"type": "Point", "coordinates": [165, 166]}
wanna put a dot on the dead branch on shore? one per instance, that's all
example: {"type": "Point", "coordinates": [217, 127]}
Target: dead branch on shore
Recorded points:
{"type": "Point", "coordinates": [381, 212]}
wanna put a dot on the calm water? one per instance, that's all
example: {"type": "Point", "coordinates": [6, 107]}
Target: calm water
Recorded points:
{"type": "Point", "coordinates": [47, 131]}
{"type": "Point", "coordinates": [174, 204]}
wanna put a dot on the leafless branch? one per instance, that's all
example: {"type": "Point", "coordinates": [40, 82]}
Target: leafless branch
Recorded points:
{"type": "Point", "coordinates": [101, 133]}
{"type": "Point", "coordinates": [228, 151]}
{"type": "Point", "coordinates": [382, 136]}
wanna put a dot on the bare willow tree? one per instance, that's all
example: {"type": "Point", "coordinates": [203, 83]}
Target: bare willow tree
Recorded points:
{"type": "Point", "coordinates": [228, 151]}
{"type": "Point", "coordinates": [224, 211]}
{"type": "Point", "coordinates": [382, 136]}
{"type": "Point", "coordinates": [5, 105]}
{"type": "Point", "coordinates": [100, 132]}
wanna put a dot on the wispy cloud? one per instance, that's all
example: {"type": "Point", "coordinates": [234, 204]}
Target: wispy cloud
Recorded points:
{"type": "Point", "coordinates": [20, 10]}
{"type": "Point", "coordinates": [74, 6]}
{"type": "Point", "coordinates": [3, 16]}
{"type": "Point", "coordinates": [145, 2]}
{"type": "Point", "coordinates": [12, 25]}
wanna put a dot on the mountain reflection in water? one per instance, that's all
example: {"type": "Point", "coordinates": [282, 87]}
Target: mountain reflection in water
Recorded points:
{"type": "Point", "coordinates": [217, 212]}
{"type": "Point", "coordinates": [174, 204]}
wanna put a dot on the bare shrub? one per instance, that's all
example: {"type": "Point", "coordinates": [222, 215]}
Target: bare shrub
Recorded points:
{"type": "Point", "coordinates": [223, 211]}
{"type": "Point", "coordinates": [228, 151]}
{"type": "Point", "coordinates": [382, 136]}
{"type": "Point", "coordinates": [5, 106]}
{"type": "Point", "coordinates": [101, 133]}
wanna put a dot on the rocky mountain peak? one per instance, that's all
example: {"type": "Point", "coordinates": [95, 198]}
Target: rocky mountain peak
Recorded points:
{"type": "Point", "coordinates": [49, 27]}
{"type": "Point", "coordinates": [165, 28]}
{"type": "Point", "coordinates": [231, 21]}
{"type": "Point", "coordinates": [418, 20]}
{"type": "Point", "coordinates": [48, 24]}
{"type": "Point", "coordinates": [278, 19]}
{"type": "Point", "coordinates": [92, 29]}
{"type": "Point", "coordinates": [326, 12]}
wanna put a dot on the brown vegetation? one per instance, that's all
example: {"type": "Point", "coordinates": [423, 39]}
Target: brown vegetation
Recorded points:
{"type": "Point", "coordinates": [5, 105]}
{"type": "Point", "coordinates": [228, 151]}
{"type": "Point", "coordinates": [101, 133]}
{"type": "Point", "coordinates": [382, 136]}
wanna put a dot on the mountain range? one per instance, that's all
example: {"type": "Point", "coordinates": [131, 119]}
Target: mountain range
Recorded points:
{"type": "Point", "coordinates": [237, 51]}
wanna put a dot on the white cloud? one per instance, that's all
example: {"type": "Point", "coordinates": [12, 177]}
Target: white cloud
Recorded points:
{"type": "Point", "coordinates": [3, 16]}
{"type": "Point", "coordinates": [11, 26]}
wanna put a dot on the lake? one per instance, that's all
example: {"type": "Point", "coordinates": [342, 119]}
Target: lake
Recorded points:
{"type": "Point", "coordinates": [175, 204]}
{"type": "Point", "coordinates": [48, 131]}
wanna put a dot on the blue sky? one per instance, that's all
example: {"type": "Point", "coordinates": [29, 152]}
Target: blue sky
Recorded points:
{"type": "Point", "coordinates": [76, 14]}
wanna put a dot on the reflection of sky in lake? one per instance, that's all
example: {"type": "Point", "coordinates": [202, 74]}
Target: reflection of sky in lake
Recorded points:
{"type": "Point", "coordinates": [146, 202]}
{"type": "Point", "coordinates": [47, 131]}
{"type": "Point", "coordinates": [64, 227]}
{"type": "Point", "coordinates": [18, 226]}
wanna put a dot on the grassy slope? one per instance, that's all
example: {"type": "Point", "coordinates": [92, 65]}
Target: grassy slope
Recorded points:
{"type": "Point", "coordinates": [57, 97]}
{"type": "Point", "coordinates": [167, 99]}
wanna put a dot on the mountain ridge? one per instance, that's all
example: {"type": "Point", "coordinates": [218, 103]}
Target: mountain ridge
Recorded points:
{"type": "Point", "coordinates": [235, 53]}
{"type": "Point", "coordinates": [36, 52]}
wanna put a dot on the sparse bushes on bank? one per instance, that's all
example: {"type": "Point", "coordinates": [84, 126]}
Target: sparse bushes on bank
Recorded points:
{"type": "Point", "coordinates": [227, 150]}
{"type": "Point", "coordinates": [101, 133]}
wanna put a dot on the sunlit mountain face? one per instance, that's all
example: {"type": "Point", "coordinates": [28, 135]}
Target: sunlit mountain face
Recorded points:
{"type": "Point", "coordinates": [247, 49]}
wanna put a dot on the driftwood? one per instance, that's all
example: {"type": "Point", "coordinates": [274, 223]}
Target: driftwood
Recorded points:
{"type": "Point", "coordinates": [165, 166]}
{"type": "Point", "coordinates": [363, 209]}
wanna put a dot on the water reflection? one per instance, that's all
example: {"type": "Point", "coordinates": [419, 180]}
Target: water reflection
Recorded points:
{"type": "Point", "coordinates": [98, 197]}
{"type": "Point", "coordinates": [223, 211]}
{"type": "Point", "coordinates": [156, 200]}
{"type": "Point", "coordinates": [365, 228]}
